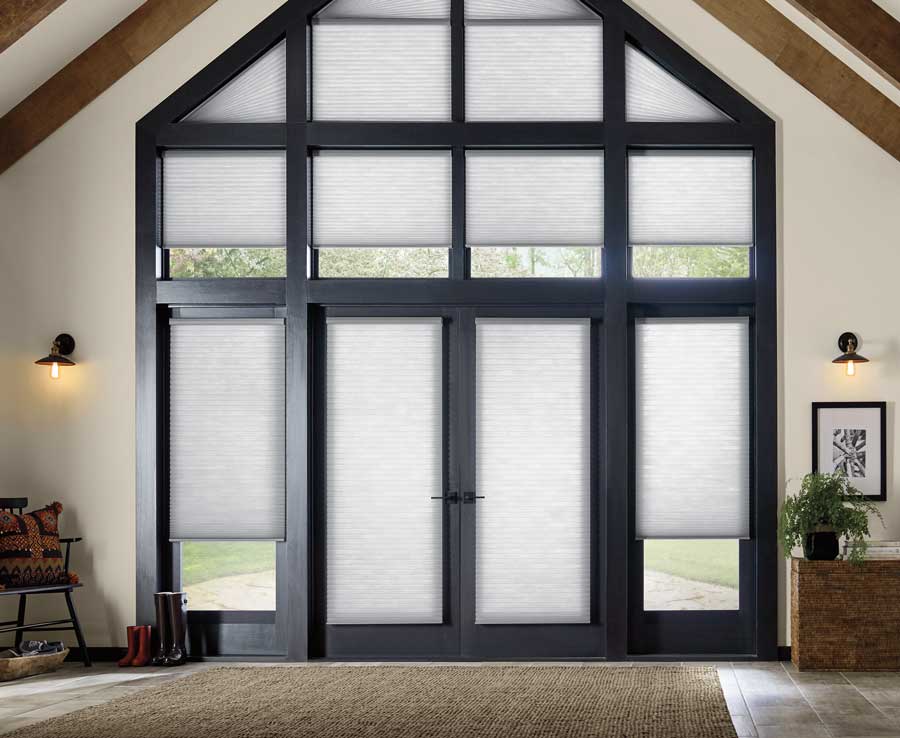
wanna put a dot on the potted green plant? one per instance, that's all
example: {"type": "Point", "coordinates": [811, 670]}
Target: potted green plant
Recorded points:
{"type": "Point", "coordinates": [826, 508]}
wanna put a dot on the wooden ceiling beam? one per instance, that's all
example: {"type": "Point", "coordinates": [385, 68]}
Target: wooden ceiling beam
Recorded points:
{"type": "Point", "coordinates": [862, 26]}
{"type": "Point", "coordinates": [18, 17]}
{"type": "Point", "coordinates": [814, 67]}
{"type": "Point", "coordinates": [91, 73]}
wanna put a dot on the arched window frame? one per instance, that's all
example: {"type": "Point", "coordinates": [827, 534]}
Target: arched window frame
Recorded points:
{"type": "Point", "coordinates": [618, 296]}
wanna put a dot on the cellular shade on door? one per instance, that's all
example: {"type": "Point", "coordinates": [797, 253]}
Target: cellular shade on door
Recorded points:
{"type": "Point", "coordinates": [690, 198]}
{"type": "Point", "coordinates": [692, 427]}
{"type": "Point", "coordinates": [226, 430]}
{"type": "Point", "coordinates": [384, 430]}
{"type": "Point", "coordinates": [535, 60]}
{"type": "Point", "coordinates": [223, 199]}
{"type": "Point", "coordinates": [532, 439]}
{"type": "Point", "coordinates": [376, 60]}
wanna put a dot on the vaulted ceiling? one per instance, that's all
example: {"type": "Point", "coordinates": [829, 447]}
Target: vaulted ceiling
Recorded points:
{"type": "Point", "coordinates": [58, 55]}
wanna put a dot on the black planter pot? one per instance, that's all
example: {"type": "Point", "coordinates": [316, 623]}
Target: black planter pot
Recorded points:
{"type": "Point", "coordinates": [821, 546]}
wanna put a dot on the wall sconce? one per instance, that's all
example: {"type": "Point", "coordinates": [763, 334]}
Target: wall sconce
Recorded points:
{"type": "Point", "coordinates": [848, 343]}
{"type": "Point", "coordinates": [63, 345]}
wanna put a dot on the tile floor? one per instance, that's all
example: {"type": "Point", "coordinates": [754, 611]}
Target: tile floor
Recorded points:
{"type": "Point", "coordinates": [766, 700]}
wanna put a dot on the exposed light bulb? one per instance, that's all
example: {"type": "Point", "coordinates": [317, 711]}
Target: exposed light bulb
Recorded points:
{"type": "Point", "coordinates": [851, 369]}
{"type": "Point", "coordinates": [54, 370]}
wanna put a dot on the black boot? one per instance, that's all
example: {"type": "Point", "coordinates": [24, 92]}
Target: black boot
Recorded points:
{"type": "Point", "coordinates": [163, 629]}
{"type": "Point", "coordinates": [177, 652]}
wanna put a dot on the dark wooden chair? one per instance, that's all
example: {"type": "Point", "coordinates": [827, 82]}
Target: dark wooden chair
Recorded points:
{"type": "Point", "coordinates": [19, 626]}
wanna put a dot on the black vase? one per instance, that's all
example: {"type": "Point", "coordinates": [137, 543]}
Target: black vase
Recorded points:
{"type": "Point", "coordinates": [821, 546]}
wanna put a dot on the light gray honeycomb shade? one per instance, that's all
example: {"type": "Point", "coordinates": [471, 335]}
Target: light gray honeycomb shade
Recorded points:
{"type": "Point", "coordinates": [536, 198]}
{"type": "Point", "coordinates": [224, 199]}
{"type": "Point", "coordinates": [692, 410]}
{"type": "Point", "coordinates": [383, 464]}
{"type": "Point", "coordinates": [534, 70]}
{"type": "Point", "coordinates": [690, 198]}
{"type": "Point", "coordinates": [370, 199]}
{"type": "Point", "coordinates": [226, 430]}
{"type": "Point", "coordinates": [654, 95]}
{"type": "Point", "coordinates": [381, 70]}
{"type": "Point", "coordinates": [256, 95]}
{"type": "Point", "coordinates": [385, 10]}
{"type": "Point", "coordinates": [527, 10]}
{"type": "Point", "coordinates": [533, 469]}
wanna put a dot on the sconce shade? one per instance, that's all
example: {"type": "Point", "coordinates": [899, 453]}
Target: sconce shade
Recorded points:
{"type": "Point", "coordinates": [51, 360]}
{"type": "Point", "coordinates": [62, 344]}
{"type": "Point", "coordinates": [847, 343]}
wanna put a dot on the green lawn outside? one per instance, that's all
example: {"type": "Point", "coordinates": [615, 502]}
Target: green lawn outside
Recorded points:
{"type": "Point", "coordinates": [713, 562]}
{"type": "Point", "coordinates": [205, 560]}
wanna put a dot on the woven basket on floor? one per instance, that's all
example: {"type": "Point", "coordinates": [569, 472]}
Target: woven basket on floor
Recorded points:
{"type": "Point", "coordinates": [26, 666]}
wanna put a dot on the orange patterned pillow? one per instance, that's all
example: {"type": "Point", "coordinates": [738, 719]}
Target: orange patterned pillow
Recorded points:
{"type": "Point", "coordinates": [29, 548]}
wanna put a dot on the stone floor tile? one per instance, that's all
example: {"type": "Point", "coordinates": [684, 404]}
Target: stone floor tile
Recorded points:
{"type": "Point", "coordinates": [882, 696]}
{"type": "Point", "coordinates": [860, 726]}
{"type": "Point", "coordinates": [744, 726]}
{"type": "Point", "coordinates": [801, 714]}
{"type": "Point", "coordinates": [815, 730]}
{"type": "Point", "coordinates": [7, 726]}
{"type": "Point", "coordinates": [836, 698]}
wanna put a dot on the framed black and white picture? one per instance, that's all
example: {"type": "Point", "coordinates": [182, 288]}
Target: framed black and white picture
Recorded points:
{"type": "Point", "coordinates": [851, 437]}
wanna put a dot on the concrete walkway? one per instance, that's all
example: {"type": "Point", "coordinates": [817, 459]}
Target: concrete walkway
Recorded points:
{"type": "Point", "coordinates": [239, 592]}
{"type": "Point", "coordinates": [668, 592]}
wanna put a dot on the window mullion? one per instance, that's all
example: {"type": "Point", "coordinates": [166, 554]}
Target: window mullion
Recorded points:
{"type": "Point", "coordinates": [457, 60]}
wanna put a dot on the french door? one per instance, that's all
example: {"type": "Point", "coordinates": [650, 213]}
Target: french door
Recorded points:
{"type": "Point", "coordinates": [457, 472]}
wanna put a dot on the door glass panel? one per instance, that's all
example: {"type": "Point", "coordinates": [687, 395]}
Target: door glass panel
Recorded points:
{"type": "Point", "coordinates": [383, 464]}
{"type": "Point", "coordinates": [691, 574]}
{"type": "Point", "coordinates": [533, 470]}
{"type": "Point", "coordinates": [228, 575]}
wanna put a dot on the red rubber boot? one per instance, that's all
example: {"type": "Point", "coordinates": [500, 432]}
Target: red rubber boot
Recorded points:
{"type": "Point", "coordinates": [143, 653]}
{"type": "Point", "coordinates": [132, 647]}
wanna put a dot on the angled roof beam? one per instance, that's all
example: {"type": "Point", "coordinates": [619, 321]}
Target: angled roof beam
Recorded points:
{"type": "Point", "coordinates": [18, 17]}
{"type": "Point", "coordinates": [814, 67]}
{"type": "Point", "coordinates": [91, 73]}
{"type": "Point", "coordinates": [862, 26]}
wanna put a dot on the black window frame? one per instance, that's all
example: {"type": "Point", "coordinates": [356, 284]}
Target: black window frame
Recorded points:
{"type": "Point", "coordinates": [616, 293]}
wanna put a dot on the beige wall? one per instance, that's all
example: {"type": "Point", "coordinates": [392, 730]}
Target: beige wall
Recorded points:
{"type": "Point", "coordinates": [67, 263]}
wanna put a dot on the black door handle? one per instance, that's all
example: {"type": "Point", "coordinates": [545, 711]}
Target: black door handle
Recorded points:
{"type": "Point", "coordinates": [449, 498]}
{"type": "Point", "coordinates": [470, 497]}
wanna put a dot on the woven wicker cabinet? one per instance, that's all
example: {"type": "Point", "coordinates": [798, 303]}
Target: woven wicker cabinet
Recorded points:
{"type": "Point", "coordinates": [845, 617]}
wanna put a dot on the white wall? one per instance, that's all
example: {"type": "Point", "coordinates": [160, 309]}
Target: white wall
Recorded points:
{"type": "Point", "coordinates": [67, 263]}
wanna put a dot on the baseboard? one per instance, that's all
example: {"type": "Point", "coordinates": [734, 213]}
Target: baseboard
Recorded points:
{"type": "Point", "coordinates": [100, 654]}
{"type": "Point", "coordinates": [784, 653]}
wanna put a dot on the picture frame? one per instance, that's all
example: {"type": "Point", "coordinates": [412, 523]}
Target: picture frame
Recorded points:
{"type": "Point", "coordinates": [852, 437]}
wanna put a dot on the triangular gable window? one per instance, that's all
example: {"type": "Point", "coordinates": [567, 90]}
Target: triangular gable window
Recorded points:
{"type": "Point", "coordinates": [654, 95]}
{"type": "Point", "coordinates": [256, 95]}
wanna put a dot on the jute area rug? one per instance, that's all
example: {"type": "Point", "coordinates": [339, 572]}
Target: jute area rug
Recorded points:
{"type": "Point", "coordinates": [411, 701]}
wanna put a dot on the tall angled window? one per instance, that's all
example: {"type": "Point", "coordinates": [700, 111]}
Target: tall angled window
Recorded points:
{"type": "Point", "coordinates": [224, 213]}
{"type": "Point", "coordinates": [692, 446]}
{"type": "Point", "coordinates": [690, 213]}
{"type": "Point", "coordinates": [533, 60]}
{"type": "Point", "coordinates": [381, 213]}
{"type": "Point", "coordinates": [374, 60]}
{"type": "Point", "coordinates": [534, 213]}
